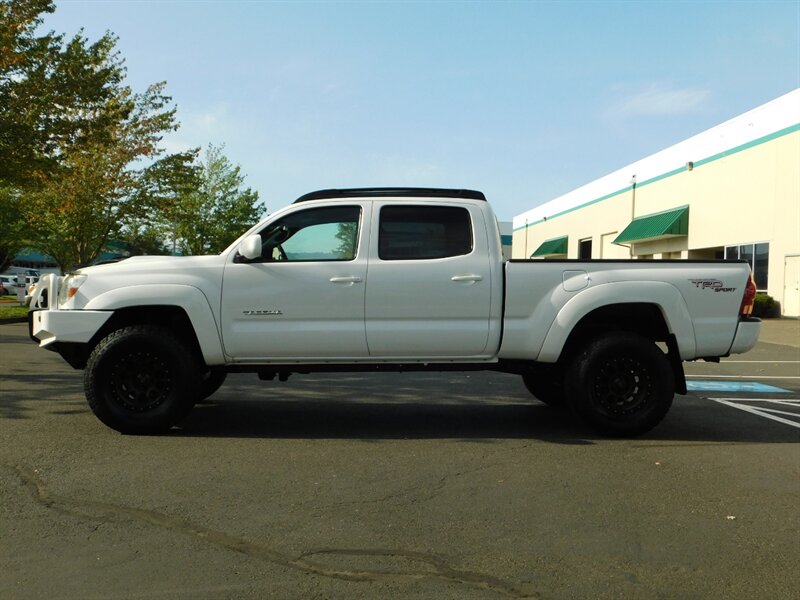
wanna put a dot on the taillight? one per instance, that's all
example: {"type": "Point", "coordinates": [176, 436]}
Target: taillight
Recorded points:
{"type": "Point", "coordinates": [749, 298]}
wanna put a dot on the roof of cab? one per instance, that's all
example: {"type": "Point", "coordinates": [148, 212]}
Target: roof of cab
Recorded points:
{"type": "Point", "coordinates": [391, 192]}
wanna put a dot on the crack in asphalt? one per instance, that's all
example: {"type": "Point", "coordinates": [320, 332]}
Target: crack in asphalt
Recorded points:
{"type": "Point", "coordinates": [427, 565]}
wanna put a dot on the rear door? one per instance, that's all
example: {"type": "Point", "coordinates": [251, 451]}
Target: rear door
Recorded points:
{"type": "Point", "coordinates": [430, 286]}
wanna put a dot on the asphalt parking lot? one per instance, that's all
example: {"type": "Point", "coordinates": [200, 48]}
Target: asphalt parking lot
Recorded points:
{"type": "Point", "coordinates": [402, 486]}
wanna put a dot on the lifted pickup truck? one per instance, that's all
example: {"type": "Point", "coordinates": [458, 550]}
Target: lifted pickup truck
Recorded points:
{"type": "Point", "coordinates": [391, 279]}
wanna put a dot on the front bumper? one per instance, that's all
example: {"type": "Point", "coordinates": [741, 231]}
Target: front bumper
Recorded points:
{"type": "Point", "coordinates": [73, 326]}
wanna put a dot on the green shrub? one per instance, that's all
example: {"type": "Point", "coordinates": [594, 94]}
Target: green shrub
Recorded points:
{"type": "Point", "coordinates": [766, 307]}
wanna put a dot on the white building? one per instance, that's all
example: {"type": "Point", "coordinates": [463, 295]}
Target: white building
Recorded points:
{"type": "Point", "coordinates": [732, 191]}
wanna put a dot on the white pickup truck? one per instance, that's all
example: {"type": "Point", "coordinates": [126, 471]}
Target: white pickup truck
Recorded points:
{"type": "Point", "coordinates": [391, 279]}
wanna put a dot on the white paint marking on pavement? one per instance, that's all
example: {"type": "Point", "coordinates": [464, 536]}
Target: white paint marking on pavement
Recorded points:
{"type": "Point", "coordinates": [743, 377]}
{"type": "Point", "coordinates": [780, 412]}
{"type": "Point", "coordinates": [767, 362]}
{"type": "Point", "coordinates": [754, 411]}
{"type": "Point", "coordinates": [790, 402]}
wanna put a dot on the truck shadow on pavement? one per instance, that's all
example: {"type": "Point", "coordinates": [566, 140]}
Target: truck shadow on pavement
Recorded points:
{"type": "Point", "coordinates": [479, 408]}
{"type": "Point", "coordinates": [378, 421]}
{"type": "Point", "coordinates": [476, 407]}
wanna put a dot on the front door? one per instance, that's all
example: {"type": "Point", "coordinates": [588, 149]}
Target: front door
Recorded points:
{"type": "Point", "coordinates": [304, 298]}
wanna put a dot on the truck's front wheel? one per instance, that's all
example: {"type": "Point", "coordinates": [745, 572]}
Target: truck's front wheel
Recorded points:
{"type": "Point", "coordinates": [210, 382]}
{"type": "Point", "coordinates": [141, 379]}
{"type": "Point", "coordinates": [546, 383]}
{"type": "Point", "coordinates": [621, 384]}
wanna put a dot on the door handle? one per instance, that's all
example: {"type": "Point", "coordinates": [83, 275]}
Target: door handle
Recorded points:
{"type": "Point", "coordinates": [466, 278]}
{"type": "Point", "coordinates": [351, 279]}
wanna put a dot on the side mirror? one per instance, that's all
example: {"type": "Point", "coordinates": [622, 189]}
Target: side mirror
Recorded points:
{"type": "Point", "coordinates": [251, 247]}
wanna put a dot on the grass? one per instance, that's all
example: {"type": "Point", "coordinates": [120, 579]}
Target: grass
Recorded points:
{"type": "Point", "coordinates": [13, 312]}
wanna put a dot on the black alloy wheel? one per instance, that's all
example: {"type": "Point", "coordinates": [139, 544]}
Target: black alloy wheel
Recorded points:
{"type": "Point", "coordinates": [141, 379]}
{"type": "Point", "coordinates": [621, 384]}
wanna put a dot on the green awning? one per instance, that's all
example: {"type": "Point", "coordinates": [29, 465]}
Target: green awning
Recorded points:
{"type": "Point", "coordinates": [29, 255]}
{"type": "Point", "coordinates": [554, 247]}
{"type": "Point", "coordinates": [670, 223]}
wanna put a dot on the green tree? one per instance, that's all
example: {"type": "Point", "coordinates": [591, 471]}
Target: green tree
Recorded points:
{"type": "Point", "coordinates": [347, 234]}
{"type": "Point", "coordinates": [72, 137]}
{"type": "Point", "coordinates": [12, 227]}
{"type": "Point", "coordinates": [209, 218]}
{"type": "Point", "coordinates": [21, 56]}
{"type": "Point", "coordinates": [80, 162]}
{"type": "Point", "coordinates": [75, 209]}
{"type": "Point", "coordinates": [28, 89]}
{"type": "Point", "coordinates": [151, 227]}
{"type": "Point", "coordinates": [73, 214]}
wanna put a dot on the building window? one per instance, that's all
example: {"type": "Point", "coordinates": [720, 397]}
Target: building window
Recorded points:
{"type": "Point", "coordinates": [757, 256]}
{"type": "Point", "coordinates": [585, 249]}
{"type": "Point", "coordinates": [762, 266]}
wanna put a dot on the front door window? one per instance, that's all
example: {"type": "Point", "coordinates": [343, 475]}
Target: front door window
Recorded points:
{"type": "Point", "coordinates": [304, 297]}
{"type": "Point", "coordinates": [318, 234]}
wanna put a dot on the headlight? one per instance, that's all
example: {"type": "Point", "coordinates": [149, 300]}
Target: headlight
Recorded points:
{"type": "Point", "coordinates": [69, 287]}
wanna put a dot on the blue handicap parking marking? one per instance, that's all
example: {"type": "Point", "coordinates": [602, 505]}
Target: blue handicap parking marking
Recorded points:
{"type": "Point", "coordinates": [703, 385]}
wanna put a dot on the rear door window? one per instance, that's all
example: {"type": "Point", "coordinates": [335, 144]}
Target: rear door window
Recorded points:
{"type": "Point", "coordinates": [415, 232]}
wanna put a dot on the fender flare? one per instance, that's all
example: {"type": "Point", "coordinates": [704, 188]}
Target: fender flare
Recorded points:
{"type": "Point", "coordinates": [189, 298]}
{"type": "Point", "coordinates": [661, 294]}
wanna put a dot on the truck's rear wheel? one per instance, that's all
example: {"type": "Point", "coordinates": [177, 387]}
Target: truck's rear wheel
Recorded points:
{"type": "Point", "coordinates": [621, 384]}
{"type": "Point", "coordinates": [141, 379]}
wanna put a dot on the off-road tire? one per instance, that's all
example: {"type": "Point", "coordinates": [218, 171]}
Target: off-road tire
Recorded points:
{"type": "Point", "coordinates": [621, 384]}
{"type": "Point", "coordinates": [210, 382]}
{"type": "Point", "coordinates": [141, 379]}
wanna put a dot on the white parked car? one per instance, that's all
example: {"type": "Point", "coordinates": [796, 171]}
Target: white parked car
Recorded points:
{"type": "Point", "coordinates": [11, 283]}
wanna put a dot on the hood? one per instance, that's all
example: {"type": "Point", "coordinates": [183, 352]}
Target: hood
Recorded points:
{"type": "Point", "coordinates": [153, 264]}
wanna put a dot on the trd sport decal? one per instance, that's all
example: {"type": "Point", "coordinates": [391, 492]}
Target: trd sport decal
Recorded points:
{"type": "Point", "coordinates": [711, 284]}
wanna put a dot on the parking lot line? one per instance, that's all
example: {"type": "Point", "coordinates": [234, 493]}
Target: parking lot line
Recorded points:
{"type": "Point", "coordinates": [743, 377]}
{"type": "Point", "coordinates": [769, 362]}
{"type": "Point", "coordinates": [788, 402]}
{"type": "Point", "coordinates": [779, 412]}
{"type": "Point", "coordinates": [734, 402]}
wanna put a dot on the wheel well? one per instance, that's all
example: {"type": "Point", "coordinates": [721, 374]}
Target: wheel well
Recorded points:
{"type": "Point", "coordinates": [173, 318]}
{"type": "Point", "coordinates": [644, 319]}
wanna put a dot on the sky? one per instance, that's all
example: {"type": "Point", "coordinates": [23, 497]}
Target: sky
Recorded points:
{"type": "Point", "coordinates": [524, 101]}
